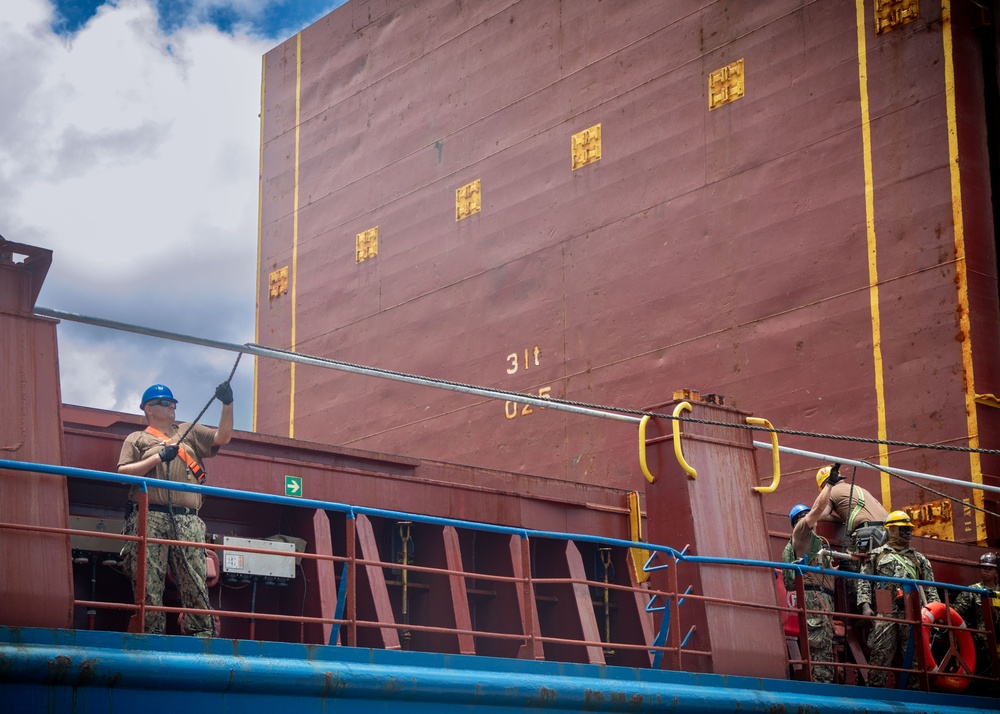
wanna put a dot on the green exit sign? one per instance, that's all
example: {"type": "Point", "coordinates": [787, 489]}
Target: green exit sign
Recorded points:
{"type": "Point", "coordinates": [293, 485]}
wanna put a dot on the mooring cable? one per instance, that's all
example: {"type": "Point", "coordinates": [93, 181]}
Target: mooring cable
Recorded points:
{"type": "Point", "coordinates": [585, 408]}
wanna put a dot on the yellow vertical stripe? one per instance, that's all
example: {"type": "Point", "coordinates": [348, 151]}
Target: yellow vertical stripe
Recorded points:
{"type": "Point", "coordinates": [866, 140]}
{"type": "Point", "coordinates": [260, 233]}
{"type": "Point", "coordinates": [295, 226]}
{"type": "Point", "coordinates": [961, 268]}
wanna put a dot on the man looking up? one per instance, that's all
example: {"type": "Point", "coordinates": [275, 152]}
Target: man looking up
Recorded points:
{"type": "Point", "coordinates": [173, 515]}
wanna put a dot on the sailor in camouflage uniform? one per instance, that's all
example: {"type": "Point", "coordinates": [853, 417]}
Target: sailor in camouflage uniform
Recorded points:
{"type": "Point", "coordinates": [818, 587]}
{"type": "Point", "coordinates": [895, 559]}
{"type": "Point", "coordinates": [173, 515]}
{"type": "Point", "coordinates": [970, 607]}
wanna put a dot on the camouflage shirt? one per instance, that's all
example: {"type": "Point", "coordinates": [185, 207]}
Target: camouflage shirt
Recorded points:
{"type": "Point", "coordinates": [891, 563]}
{"type": "Point", "coordinates": [970, 607]}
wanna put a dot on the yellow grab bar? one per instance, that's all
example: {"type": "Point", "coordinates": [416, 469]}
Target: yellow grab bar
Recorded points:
{"type": "Point", "coordinates": [639, 555]}
{"type": "Point", "coordinates": [682, 407]}
{"type": "Point", "coordinates": [775, 461]}
{"type": "Point", "coordinates": [642, 449]}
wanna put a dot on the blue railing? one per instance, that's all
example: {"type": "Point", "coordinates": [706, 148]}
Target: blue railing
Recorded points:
{"type": "Point", "coordinates": [657, 648]}
{"type": "Point", "coordinates": [351, 510]}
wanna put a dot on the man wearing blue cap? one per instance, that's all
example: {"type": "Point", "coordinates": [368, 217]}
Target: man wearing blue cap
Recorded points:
{"type": "Point", "coordinates": [170, 451]}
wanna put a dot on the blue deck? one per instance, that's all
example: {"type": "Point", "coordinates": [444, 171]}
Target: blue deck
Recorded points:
{"type": "Point", "coordinates": [46, 670]}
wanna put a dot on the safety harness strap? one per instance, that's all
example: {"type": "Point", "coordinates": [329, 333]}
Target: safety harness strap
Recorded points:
{"type": "Point", "coordinates": [193, 466]}
{"type": "Point", "coordinates": [907, 564]}
{"type": "Point", "coordinates": [856, 511]}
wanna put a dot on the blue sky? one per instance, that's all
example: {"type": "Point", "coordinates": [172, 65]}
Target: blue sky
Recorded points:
{"type": "Point", "coordinates": [130, 145]}
{"type": "Point", "coordinates": [275, 19]}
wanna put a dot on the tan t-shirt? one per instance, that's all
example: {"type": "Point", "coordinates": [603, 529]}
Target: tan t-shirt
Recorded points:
{"type": "Point", "coordinates": [199, 443]}
{"type": "Point", "coordinates": [845, 502]}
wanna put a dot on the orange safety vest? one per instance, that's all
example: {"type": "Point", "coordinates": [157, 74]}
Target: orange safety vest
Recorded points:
{"type": "Point", "coordinates": [193, 466]}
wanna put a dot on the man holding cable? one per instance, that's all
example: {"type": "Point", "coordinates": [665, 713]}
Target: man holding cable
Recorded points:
{"type": "Point", "coordinates": [170, 451]}
{"type": "Point", "coordinates": [804, 546]}
{"type": "Point", "coordinates": [863, 517]}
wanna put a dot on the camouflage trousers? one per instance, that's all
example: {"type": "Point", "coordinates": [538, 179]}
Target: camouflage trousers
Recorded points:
{"type": "Point", "coordinates": [187, 565]}
{"type": "Point", "coordinates": [883, 642]}
{"type": "Point", "coordinates": [820, 629]}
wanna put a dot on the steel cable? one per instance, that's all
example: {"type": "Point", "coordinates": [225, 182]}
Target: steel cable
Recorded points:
{"type": "Point", "coordinates": [515, 396]}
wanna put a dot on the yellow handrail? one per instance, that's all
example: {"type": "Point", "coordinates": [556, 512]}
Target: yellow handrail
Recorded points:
{"type": "Point", "coordinates": [639, 555]}
{"type": "Point", "coordinates": [642, 449]}
{"type": "Point", "coordinates": [756, 421]}
{"type": "Point", "coordinates": [682, 407]}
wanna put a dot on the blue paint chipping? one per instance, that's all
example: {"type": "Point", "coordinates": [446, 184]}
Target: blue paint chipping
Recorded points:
{"type": "Point", "coordinates": [85, 671]}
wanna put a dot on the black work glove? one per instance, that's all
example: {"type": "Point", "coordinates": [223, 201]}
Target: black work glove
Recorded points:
{"type": "Point", "coordinates": [224, 393]}
{"type": "Point", "coordinates": [168, 453]}
{"type": "Point", "coordinates": [835, 476]}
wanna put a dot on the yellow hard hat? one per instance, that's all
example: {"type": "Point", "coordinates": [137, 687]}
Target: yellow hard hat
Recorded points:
{"type": "Point", "coordinates": [898, 518]}
{"type": "Point", "coordinates": [821, 476]}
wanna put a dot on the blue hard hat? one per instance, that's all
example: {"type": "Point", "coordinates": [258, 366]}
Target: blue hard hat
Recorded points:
{"type": "Point", "coordinates": [156, 391]}
{"type": "Point", "coordinates": [797, 510]}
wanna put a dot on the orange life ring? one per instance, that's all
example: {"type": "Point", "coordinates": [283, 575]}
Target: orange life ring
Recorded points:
{"type": "Point", "coordinates": [945, 674]}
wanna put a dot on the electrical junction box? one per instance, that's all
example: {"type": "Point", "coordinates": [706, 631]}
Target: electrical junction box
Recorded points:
{"type": "Point", "coordinates": [96, 543]}
{"type": "Point", "coordinates": [271, 566]}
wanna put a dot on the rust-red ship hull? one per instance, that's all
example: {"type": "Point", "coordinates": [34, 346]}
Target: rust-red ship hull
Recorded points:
{"type": "Point", "coordinates": [820, 249]}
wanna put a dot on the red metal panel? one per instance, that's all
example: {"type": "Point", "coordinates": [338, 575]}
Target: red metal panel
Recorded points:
{"type": "Point", "coordinates": [373, 604]}
{"type": "Point", "coordinates": [278, 156]}
{"type": "Point", "coordinates": [437, 599]}
{"type": "Point", "coordinates": [320, 541]}
{"type": "Point", "coordinates": [527, 601]}
{"type": "Point", "coordinates": [36, 586]}
{"type": "Point", "coordinates": [457, 590]}
{"type": "Point", "coordinates": [980, 231]}
{"type": "Point", "coordinates": [493, 602]}
{"type": "Point", "coordinates": [565, 609]}
{"type": "Point", "coordinates": [718, 514]}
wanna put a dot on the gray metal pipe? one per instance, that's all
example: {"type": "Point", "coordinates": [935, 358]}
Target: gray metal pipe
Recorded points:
{"type": "Point", "coordinates": [863, 465]}
{"type": "Point", "coordinates": [333, 364]}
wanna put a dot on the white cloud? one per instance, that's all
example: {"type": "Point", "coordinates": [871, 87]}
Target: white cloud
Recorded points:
{"type": "Point", "coordinates": [134, 156]}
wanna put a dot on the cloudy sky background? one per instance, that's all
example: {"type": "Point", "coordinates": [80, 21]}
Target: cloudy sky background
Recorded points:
{"type": "Point", "coordinates": [129, 145]}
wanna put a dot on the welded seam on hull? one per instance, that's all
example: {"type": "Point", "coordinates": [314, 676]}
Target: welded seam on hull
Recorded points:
{"type": "Point", "coordinates": [295, 227]}
{"type": "Point", "coordinates": [866, 140]}
{"type": "Point", "coordinates": [961, 267]}
{"type": "Point", "coordinates": [260, 236]}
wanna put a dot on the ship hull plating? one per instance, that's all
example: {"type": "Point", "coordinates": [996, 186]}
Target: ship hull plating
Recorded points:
{"type": "Point", "coordinates": [819, 248]}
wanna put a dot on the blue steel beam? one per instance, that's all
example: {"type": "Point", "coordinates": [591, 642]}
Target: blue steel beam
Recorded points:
{"type": "Point", "coordinates": [83, 671]}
